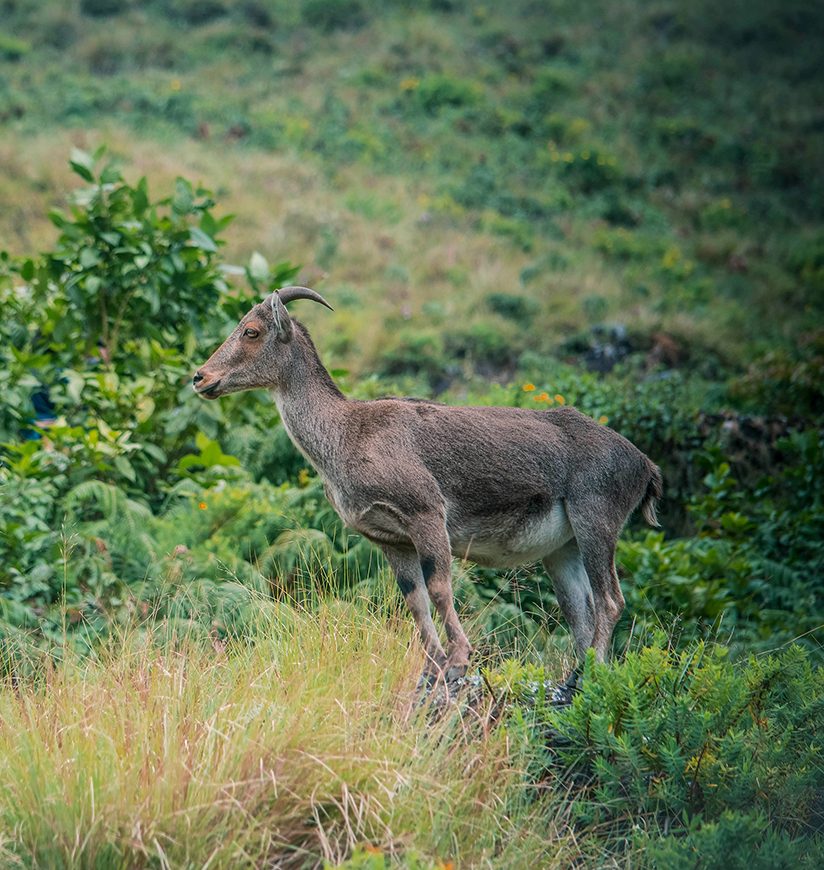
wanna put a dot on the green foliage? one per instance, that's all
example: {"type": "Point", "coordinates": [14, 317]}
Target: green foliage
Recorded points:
{"type": "Point", "coordinates": [414, 353]}
{"type": "Point", "coordinates": [102, 8]}
{"type": "Point", "coordinates": [435, 92]}
{"type": "Point", "coordinates": [678, 753]}
{"type": "Point", "coordinates": [12, 48]}
{"type": "Point", "coordinates": [787, 382]}
{"type": "Point", "coordinates": [488, 346]}
{"type": "Point", "coordinates": [512, 306]}
{"type": "Point", "coordinates": [739, 840]}
{"type": "Point", "coordinates": [106, 327]}
{"type": "Point", "coordinates": [328, 15]}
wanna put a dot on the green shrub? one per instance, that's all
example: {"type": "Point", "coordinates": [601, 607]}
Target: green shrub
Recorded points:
{"type": "Point", "coordinates": [624, 244]}
{"type": "Point", "coordinates": [512, 306]}
{"type": "Point", "coordinates": [87, 330]}
{"type": "Point", "coordinates": [436, 91]}
{"type": "Point", "coordinates": [416, 352]}
{"type": "Point", "coordinates": [738, 840]}
{"type": "Point", "coordinates": [58, 28]}
{"type": "Point", "coordinates": [587, 169]}
{"type": "Point", "coordinates": [103, 8]}
{"type": "Point", "coordinates": [197, 12]}
{"type": "Point", "coordinates": [484, 345]}
{"type": "Point", "coordinates": [328, 15]}
{"type": "Point", "coordinates": [806, 259]}
{"type": "Point", "coordinates": [676, 751]}
{"type": "Point", "coordinates": [12, 48]}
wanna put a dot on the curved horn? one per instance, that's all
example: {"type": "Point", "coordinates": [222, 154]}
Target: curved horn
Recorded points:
{"type": "Point", "coordinates": [287, 294]}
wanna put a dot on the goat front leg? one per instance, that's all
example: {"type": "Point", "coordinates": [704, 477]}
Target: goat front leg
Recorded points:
{"type": "Point", "coordinates": [406, 565]}
{"type": "Point", "coordinates": [432, 544]}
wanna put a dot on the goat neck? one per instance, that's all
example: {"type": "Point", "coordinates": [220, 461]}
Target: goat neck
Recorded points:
{"type": "Point", "coordinates": [310, 405]}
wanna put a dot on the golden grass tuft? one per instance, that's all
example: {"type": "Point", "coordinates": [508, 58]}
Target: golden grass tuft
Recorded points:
{"type": "Point", "coordinates": [283, 751]}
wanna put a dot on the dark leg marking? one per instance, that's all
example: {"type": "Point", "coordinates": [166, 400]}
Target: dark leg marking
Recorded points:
{"type": "Point", "coordinates": [427, 568]}
{"type": "Point", "coordinates": [405, 584]}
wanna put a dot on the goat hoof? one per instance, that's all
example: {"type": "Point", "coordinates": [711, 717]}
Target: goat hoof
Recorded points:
{"type": "Point", "coordinates": [455, 673]}
{"type": "Point", "coordinates": [563, 694]}
{"type": "Point", "coordinates": [426, 682]}
{"type": "Point", "coordinates": [573, 680]}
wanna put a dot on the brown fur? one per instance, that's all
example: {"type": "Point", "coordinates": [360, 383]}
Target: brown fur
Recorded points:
{"type": "Point", "coordinates": [426, 482]}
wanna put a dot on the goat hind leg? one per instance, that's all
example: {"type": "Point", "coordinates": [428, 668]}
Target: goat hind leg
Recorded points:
{"type": "Point", "coordinates": [597, 546]}
{"type": "Point", "coordinates": [407, 567]}
{"type": "Point", "coordinates": [609, 600]}
{"type": "Point", "coordinates": [432, 544]}
{"type": "Point", "coordinates": [574, 593]}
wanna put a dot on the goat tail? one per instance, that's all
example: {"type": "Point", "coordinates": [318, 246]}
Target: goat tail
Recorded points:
{"type": "Point", "coordinates": [655, 490]}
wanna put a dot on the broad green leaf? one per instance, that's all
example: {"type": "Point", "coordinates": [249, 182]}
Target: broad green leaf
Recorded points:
{"type": "Point", "coordinates": [144, 408]}
{"type": "Point", "coordinates": [124, 467]}
{"type": "Point", "coordinates": [258, 267]}
{"type": "Point", "coordinates": [58, 218]}
{"type": "Point", "coordinates": [82, 163]}
{"type": "Point", "coordinates": [202, 240]}
{"type": "Point", "coordinates": [110, 174]}
{"type": "Point", "coordinates": [89, 257]}
{"type": "Point", "coordinates": [74, 385]}
{"type": "Point", "coordinates": [183, 199]}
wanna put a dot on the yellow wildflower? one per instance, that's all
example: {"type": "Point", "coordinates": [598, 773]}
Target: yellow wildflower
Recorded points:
{"type": "Point", "coordinates": [560, 399]}
{"type": "Point", "coordinates": [175, 84]}
{"type": "Point", "coordinates": [671, 256]}
{"type": "Point", "coordinates": [542, 397]}
{"type": "Point", "coordinates": [528, 388]}
{"type": "Point", "coordinates": [202, 505]}
{"type": "Point", "coordinates": [409, 84]}
{"type": "Point", "coordinates": [603, 419]}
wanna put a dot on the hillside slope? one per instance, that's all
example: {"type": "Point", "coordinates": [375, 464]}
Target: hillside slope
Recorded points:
{"type": "Point", "coordinates": [657, 166]}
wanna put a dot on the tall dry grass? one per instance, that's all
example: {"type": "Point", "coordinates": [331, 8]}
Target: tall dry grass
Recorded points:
{"type": "Point", "coordinates": [283, 751]}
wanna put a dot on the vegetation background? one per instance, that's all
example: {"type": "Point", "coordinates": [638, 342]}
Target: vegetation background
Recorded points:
{"type": "Point", "coordinates": [617, 205]}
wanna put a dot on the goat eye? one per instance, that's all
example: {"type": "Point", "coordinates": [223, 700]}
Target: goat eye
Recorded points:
{"type": "Point", "coordinates": [251, 333]}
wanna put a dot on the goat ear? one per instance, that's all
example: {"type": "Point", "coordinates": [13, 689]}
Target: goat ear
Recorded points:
{"type": "Point", "coordinates": [282, 321]}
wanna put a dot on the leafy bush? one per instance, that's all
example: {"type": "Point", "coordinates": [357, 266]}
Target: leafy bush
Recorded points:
{"type": "Point", "coordinates": [435, 92]}
{"type": "Point", "coordinates": [512, 306]}
{"type": "Point", "coordinates": [487, 346]}
{"type": "Point", "coordinates": [331, 15]}
{"type": "Point", "coordinates": [677, 752]}
{"type": "Point", "coordinates": [103, 331]}
{"type": "Point", "coordinates": [103, 8]}
{"type": "Point", "coordinates": [12, 48]}
{"type": "Point", "coordinates": [415, 353]}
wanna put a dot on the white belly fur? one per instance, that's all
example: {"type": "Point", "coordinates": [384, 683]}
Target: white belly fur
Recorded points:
{"type": "Point", "coordinates": [535, 539]}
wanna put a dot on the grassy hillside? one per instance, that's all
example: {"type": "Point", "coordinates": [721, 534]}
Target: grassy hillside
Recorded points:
{"type": "Point", "coordinates": [303, 747]}
{"type": "Point", "coordinates": [652, 165]}
{"type": "Point", "coordinates": [616, 205]}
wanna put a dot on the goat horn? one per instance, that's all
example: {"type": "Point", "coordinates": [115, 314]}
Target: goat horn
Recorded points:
{"type": "Point", "coordinates": [287, 294]}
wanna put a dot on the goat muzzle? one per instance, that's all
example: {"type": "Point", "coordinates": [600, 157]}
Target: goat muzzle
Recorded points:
{"type": "Point", "coordinates": [207, 390]}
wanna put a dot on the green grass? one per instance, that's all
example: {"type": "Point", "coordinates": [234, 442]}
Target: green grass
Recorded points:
{"type": "Point", "coordinates": [652, 165]}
